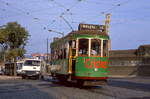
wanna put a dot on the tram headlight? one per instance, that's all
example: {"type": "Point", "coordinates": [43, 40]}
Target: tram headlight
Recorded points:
{"type": "Point", "coordinates": [95, 69]}
{"type": "Point", "coordinates": [37, 72]}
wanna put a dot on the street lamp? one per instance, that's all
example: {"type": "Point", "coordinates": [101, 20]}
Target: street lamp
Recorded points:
{"type": "Point", "coordinates": [62, 33]}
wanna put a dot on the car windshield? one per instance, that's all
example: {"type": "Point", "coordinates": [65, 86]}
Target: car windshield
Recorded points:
{"type": "Point", "coordinates": [32, 63]}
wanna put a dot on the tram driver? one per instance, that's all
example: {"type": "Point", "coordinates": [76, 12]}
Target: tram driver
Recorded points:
{"type": "Point", "coordinates": [93, 52]}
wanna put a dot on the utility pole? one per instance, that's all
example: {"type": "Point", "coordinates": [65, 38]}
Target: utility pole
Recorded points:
{"type": "Point", "coordinates": [47, 58]}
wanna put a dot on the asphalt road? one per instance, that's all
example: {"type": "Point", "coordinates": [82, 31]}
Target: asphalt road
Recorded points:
{"type": "Point", "coordinates": [133, 88]}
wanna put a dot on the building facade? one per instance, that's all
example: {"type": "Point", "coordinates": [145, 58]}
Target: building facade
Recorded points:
{"type": "Point", "coordinates": [134, 62]}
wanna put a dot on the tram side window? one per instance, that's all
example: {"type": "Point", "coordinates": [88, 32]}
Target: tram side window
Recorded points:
{"type": "Point", "coordinates": [83, 46]}
{"type": "Point", "coordinates": [60, 54]}
{"type": "Point", "coordinates": [64, 53]}
{"type": "Point", "coordinates": [105, 47]}
{"type": "Point", "coordinates": [96, 47]}
{"type": "Point", "coordinates": [72, 45]}
{"type": "Point", "coordinates": [55, 54]}
{"type": "Point", "coordinates": [52, 54]}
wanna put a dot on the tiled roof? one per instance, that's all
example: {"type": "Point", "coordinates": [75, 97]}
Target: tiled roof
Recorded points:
{"type": "Point", "coordinates": [39, 54]}
{"type": "Point", "coordinates": [36, 54]}
{"type": "Point", "coordinates": [94, 32]}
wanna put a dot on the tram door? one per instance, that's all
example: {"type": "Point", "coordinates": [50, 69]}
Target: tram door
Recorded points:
{"type": "Point", "coordinates": [72, 53]}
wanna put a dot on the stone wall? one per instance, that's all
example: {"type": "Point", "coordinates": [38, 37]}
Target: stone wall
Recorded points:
{"type": "Point", "coordinates": [129, 66]}
{"type": "Point", "coordinates": [129, 71]}
{"type": "Point", "coordinates": [130, 63]}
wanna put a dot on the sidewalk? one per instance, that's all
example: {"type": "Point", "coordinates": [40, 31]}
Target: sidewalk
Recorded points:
{"type": "Point", "coordinates": [4, 77]}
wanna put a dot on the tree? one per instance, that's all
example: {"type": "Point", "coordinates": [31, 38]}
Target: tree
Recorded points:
{"type": "Point", "coordinates": [3, 38]}
{"type": "Point", "coordinates": [14, 38]}
{"type": "Point", "coordinates": [3, 44]}
{"type": "Point", "coordinates": [17, 35]}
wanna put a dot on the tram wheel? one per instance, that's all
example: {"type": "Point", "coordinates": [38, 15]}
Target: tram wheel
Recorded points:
{"type": "Point", "coordinates": [80, 83]}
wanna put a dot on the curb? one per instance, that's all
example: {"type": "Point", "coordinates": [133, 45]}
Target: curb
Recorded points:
{"type": "Point", "coordinates": [122, 76]}
{"type": "Point", "coordinates": [9, 77]}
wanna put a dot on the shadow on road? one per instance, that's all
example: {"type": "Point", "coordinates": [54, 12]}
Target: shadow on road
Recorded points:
{"type": "Point", "coordinates": [21, 90]}
{"type": "Point", "coordinates": [56, 83]}
{"type": "Point", "coordinates": [130, 85]}
{"type": "Point", "coordinates": [139, 98]}
{"type": "Point", "coordinates": [93, 89]}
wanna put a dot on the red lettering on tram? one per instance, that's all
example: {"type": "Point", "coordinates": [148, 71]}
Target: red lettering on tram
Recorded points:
{"type": "Point", "coordinates": [97, 64]}
{"type": "Point", "coordinates": [103, 64]}
{"type": "Point", "coordinates": [86, 63]}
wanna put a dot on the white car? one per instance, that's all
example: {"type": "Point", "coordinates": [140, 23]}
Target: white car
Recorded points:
{"type": "Point", "coordinates": [31, 67]}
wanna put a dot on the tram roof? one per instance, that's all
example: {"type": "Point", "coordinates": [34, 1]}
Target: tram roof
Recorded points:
{"type": "Point", "coordinates": [80, 33]}
{"type": "Point", "coordinates": [88, 32]}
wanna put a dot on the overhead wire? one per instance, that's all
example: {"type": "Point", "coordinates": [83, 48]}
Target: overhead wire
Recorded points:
{"type": "Point", "coordinates": [97, 3]}
{"type": "Point", "coordinates": [58, 4]}
{"type": "Point", "coordinates": [66, 12]}
{"type": "Point", "coordinates": [115, 6]}
{"type": "Point", "coordinates": [57, 17]}
{"type": "Point", "coordinates": [28, 13]}
{"type": "Point", "coordinates": [71, 14]}
{"type": "Point", "coordinates": [110, 9]}
{"type": "Point", "coordinates": [25, 12]}
{"type": "Point", "coordinates": [20, 11]}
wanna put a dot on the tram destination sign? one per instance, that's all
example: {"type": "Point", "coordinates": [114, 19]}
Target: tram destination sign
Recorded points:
{"type": "Point", "coordinates": [91, 27]}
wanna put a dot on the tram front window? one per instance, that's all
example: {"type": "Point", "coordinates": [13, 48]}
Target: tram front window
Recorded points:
{"type": "Point", "coordinates": [83, 46]}
{"type": "Point", "coordinates": [105, 48]}
{"type": "Point", "coordinates": [96, 47]}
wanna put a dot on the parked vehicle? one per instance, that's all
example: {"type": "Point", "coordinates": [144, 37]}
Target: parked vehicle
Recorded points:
{"type": "Point", "coordinates": [30, 68]}
{"type": "Point", "coordinates": [9, 68]}
{"type": "Point", "coordinates": [19, 67]}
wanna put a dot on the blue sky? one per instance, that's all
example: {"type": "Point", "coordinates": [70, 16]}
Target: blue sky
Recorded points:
{"type": "Point", "coordinates": [129, 26]}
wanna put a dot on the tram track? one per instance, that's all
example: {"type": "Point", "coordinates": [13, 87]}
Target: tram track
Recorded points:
{"type": "Point", "coordinates": [68, 90]}
{"type": "Point", "coordinates": [101, 90]}
{"type": "Point", "coordinates": [104, 90]}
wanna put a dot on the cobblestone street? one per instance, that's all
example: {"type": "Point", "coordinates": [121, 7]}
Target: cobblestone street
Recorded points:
{"type": "Point", "coordinates": [131, 88]}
